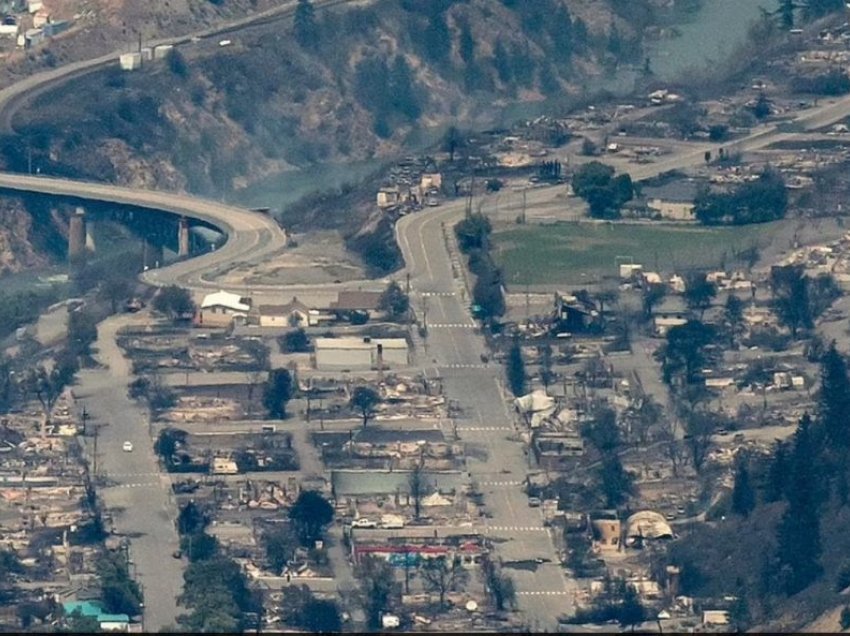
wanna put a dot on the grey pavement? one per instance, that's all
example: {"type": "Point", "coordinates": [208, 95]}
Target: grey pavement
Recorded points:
{"type": "Point", "coordinates": [137, 495]}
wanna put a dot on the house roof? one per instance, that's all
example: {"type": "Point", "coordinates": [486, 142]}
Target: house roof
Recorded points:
{"type": "Point", "coordinates": [225, 299]}
{"type": "Point", "coordinates": [680, 190]}
{"type": "Point", "coordinates": [113, 618]}
{"type": "Point", "coordinates": [351, 300]}
{"type": "Point", "coordinates": [86, 608]}
{"type": "Point", "coordinates": [284, 310]}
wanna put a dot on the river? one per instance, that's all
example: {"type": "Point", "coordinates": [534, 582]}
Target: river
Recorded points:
{"type": "Point", "coordinates": [705, 35]}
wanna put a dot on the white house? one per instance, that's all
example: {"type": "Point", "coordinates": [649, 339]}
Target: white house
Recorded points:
{"type": "Point", "coordinates": [292, 314]}
{"type": "Point", "coordinates": [673, 201]}
{"type": "Point", "coordinates": [221, 308]}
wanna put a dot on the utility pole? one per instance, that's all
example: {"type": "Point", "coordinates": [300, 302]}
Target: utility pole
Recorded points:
{"type": "Point", "coordinates": [523, 205]}
{"type": "Point", "coordinates": [94, 464]}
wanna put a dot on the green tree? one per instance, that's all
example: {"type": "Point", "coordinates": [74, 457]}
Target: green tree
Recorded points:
{"type": "Point", "coordinates": [700, 426]}
{"type": "Point", "coordinates": [394, 301]}
{"type": "Point", "coordinates": [302, 610]}
{"type": "Point", "coordinates": [306, 29]}
{"type": "Point", "coordinates": [121, 594]}
{"type": "Point", "coordinates": [453, 141]}
{"type": "Point", "coordinates": [631, 611]}
{"type": "Point", "coordinates": [845, 617]}
{"type": "Point", "coordinates": [76, 623]}
{"type": "Point", "coordinates": [378, 588]}
{"type": "Point", "coordinates": [798, 535]}
{"type": "Point", "coordinates": [777, 473]}
{"type": "Point", "coordinates": [177, 63]}
{"type": "Point", "coordinates": [684, 353]}
{"type": "Point", "coordinates": [402, 92]}
{"type": "Point", "coordinates": [310, 513]}
{"type": "Point", "coordinates": [167, 443]}
{"type": "Point", "coordinates": [473, 232]}
{"type": "Point", "coordinates": [834, 401]}
{"type": "Point", "coordinates": [791, 297]}
{"type": "Point", "coordinates": [174, 301]}
{"type": "Point", "coordinates": [499, 585]}
{"type": "Point", "coordinates": [786, 13]}
{"type": "Point", "coordinates": [191, 519]}
{"type": "Point", "coordinates": [466, 43]}
{"type": "Point", "coordinates": [743, 494]}
{"type": "Point", "coordinates": [280, 544]}
{"type": "Point", "coordinates": [82, 332]}
{"type": "Point", "coordinates": [365, 400]}
{"type": "Point", "coordinates": [277, 393]}
{"type": "Point", "coordinates": [616, 483]}
{"type": "Point", "coordinates": [515, 369]}
{"type": "Point", "coordinates": [295, 341]}
{"type": "Point", "coordinates": [199, 546]}
{"type": "Point", "coordinates": [699, 292]}
{"type": "Point", "coordinates": [115, 289]}
{"type": "Point", "coordinates": [814, 9]}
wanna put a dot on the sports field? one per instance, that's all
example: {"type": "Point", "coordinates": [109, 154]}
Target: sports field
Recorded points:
{"type": "Point", "coordinates": [570, 253]}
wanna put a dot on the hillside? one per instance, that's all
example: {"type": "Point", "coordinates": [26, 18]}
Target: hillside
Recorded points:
{"type": "Point", "coordinates": [360, 82]}
{"type": "Point", "coordinates": [333, 85]}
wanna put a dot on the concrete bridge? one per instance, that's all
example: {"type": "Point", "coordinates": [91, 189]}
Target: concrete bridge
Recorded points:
{"type": "Point", "coordinates": [250, 235]}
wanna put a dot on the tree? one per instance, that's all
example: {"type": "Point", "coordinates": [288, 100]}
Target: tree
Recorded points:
{"type": "Point", "coordinates": [121, 594]}
{"type": "Point", "coordinates": [177, 64]}
{"type": "Point", "coordinates": [653, 293]}
{"type": "Point", "coordinates": [277, 393]}
{"type": "Point", "coordinates": [798, 535]}
{"type": "Point", "coordinates": [547, 376]}
{"type": "Point", "coordinates": [7, 384]}
{"type": "Point", "coordinates": [762, 109]}
{"type": "Point", "coordinates": [394, 301]}
{"type": "Point", "coordinates": [377, 586]}
{"type": "Point", "coordinates": [167, 443]}
{"type": "Point", "coordinates": [365, 400]}
{"type": "Point", "coordinates": [191, 519]}
{"type": "Point", "coordinates": [306, 29]}
{"type": "Point", "coordinates": [280, 543]}
{"type": "Point", "coordinates": [174, 301]}
{"type": "Point", "coordinates": [310, 513]}
{"type": "Point", "coordinates": [834, 401]}
{"type": "Point", "coordinates": [605, 194]}
{"type": "Point", "coordinates": [631, 610]}
{"type": "Point", "coordinates": [199, 546]}
{"type": "Point", "coordinates": [76, 623]}
{"type": "Point", "coordinates": [418, 486]}
{"type": "Point", "coordinates": [743, 494]}
{"type": "Point", "coordinates": [453, 140]}
{"type": "Point", "coordinates": [302, 610]}
{"type": "Point", "coordinates": [115, 290]}
{"type": "Point", "coordinates": [296, 341]}
{"type": "Point", "coordinates": [791, 297]}
{"type": "Point", "coordinates": [588, 148]}
{"type": "Point", "coordinates": [814, 9]}
{"type": "Point", "coordinates": [777, 474]}
{"type": "Point", "coordinates": [733, 316]}
{"type": "Point", "coordinates": [47, 387]}
{"type": "Point", "coordinates": [700, 426]}
{"type": "Point", "coordinates": [216, 591]}
{"type": "Point", "coordinates": [473, 232]}
{"type": "Point", "coordinates": [515, 369]}
{"type": "Point", "coordinates": [616, 483]}
{"type": "Point", "coordinates": [699, 292]}
{"type": "Point", "coordinates": [684, 352]}
{"type": "Point", "coordinates": [443, 575]}
{"type": "Point", "coordinates": [844, 619]}
{"type": "Point", "coordinates": [602, 431]}
{"type": "Point", "coordinates": [500, 586]}
{"type": "Point", "coordinates": [82, 332]}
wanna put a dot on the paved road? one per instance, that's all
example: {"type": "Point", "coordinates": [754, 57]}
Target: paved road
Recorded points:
{"type": "Point", "coordinates": [136, 494]}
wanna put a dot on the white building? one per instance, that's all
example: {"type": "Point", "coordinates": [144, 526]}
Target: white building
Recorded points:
{"type": "Point", "coordinates": [221, 308]}
{"type": "Point", "coordinates": [293, 314]}
{"type": "Point", "coordinates": [361, 353]}
{"type": "Point", "coordinates": [130, 61]}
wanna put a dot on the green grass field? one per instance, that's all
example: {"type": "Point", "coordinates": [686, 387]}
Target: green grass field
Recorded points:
{"type": "Point", "coordinates": [570, 253]}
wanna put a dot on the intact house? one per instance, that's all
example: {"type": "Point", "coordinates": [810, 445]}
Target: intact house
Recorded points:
{"type": "Point", "coordinates": [293, 314]}
{"type": "Point", "coordinates": [411, 546]}
{"type": "Point", "coordinates": [673, 201]}
{"type": "Point", "coordinates": [356, 304]}
{"type": "Point", "coordinates": [360, 353]}
{"type": "Point", "coordinates": [221, 309]}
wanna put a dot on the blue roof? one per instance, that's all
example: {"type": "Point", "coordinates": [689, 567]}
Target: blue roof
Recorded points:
{"type": "Point", "coordinates": [113, 618]}
{"type": "Point", "coordinates": [86, 608]}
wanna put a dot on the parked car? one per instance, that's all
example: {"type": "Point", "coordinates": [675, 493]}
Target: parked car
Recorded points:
{"type": "Point", "coordinates": [364, 523]}
{"type": "Point", "coordinates": [534, 502]}
{"type": "Point", "coordinates": [128, 447]}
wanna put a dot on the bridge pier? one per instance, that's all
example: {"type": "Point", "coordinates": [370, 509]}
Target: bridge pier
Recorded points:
{"type": "Point", "coordinates": [183, 237]}
{"type": "Point", "coordinates": [77, 234]}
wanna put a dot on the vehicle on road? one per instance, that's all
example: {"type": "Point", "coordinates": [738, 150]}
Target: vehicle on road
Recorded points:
{"type": "Point", "coordinates": [128, 447]}
{"type": "Point", "coordinates": [177, 554]}
{"type": "Point", "coordinates": [534, 502]}
{"type": "Point", "coordinates": [364, 523]}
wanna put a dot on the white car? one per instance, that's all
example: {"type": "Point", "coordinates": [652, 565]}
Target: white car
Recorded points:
{"type": "Point", "coordinates": [128, 447]}
{"type": "Point", "coordinates": [364, 523]}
